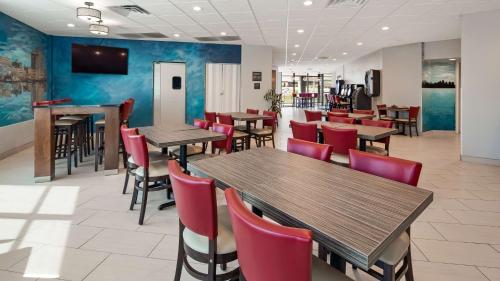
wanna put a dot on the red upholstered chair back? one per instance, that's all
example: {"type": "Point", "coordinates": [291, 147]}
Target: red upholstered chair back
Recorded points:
{"type": "Point", "coordinates": [226, 144]}
{"type": "Point", "coordinates": [304, 131]}
{"type": "Point", "coordinates": [314, 150]}
{"type": "Point", "coordinates": [126, 109]}
{"type": "Point", "coordinates": [211, 117]}
{"type": "Point", "coordinates": [270, 122]}
{"type": "Point", "coordinates": [268, 251]}
{"type": "Point", "coordinates": [126, 132]}
{"type": "Point", "coordinates": [360, 111]}
{"type": "Point", "coordinates": [340, 139]}
{"type": "Point", "coordinates": [139, 150]}
{"type": "Point", "coordinates": [400, 170]}
{"type": "Point", "coordinates": [252, 111]}
{"type": "Point", "coordinates": [195, 201]}
{"type": "Point", "coordinates": [337, 114]}
{"type": "Point", "coordinates": [340, 110]}
{"type": "Point", "coordinates": [337, 119]}
{"type": "Point", "coordinates": [413, 114]}
{"type": "Point", "coordinates": [225, 119]}
{"type": "Point", "coordinates": [313, 115]}
{"type": "Point", "coordinates": [200, 123]}
{"type": "Point", "coordinates": [382, 109]}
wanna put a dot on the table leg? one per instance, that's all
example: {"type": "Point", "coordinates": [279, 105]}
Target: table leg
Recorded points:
{"type": "Point", "coordinates": [248, 132]}
{"type": "Point", "coordinates": [322, 252]}
{"type": "Point", "coordinates": [257, 211]}
{"type": "Point", "coordinates": [44, 145]}
{"type": "Point", "coordinates": [362, 144]}
{"type": "Point", "coordinates": [337, 262]}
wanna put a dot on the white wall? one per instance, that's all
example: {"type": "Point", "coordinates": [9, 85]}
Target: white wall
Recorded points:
{"type": "Point", "coordinates": [255, 58]}
{"type": "Point", "coordinates": [480, 87]}
{"type": "Point", "coordinates": [354, 72]}
{"type": "Point", "coordinates": [442, 49]}
{"type": "Point", "coordinates": [15, 137]}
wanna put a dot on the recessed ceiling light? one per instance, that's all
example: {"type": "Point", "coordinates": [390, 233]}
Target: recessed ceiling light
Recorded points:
{"type": "Point", "coordinates": [359, 43]}
{"type": "Point", "coordinates": [223, 33]}
{"type": "Point", "coordinates": [70, 25]}
{"type": "Point", "coordinates": [385, 28]}
{"type": "Point", "coordinates": [197, 8]}
{"type": "Point", "coordinates": [453, 59]}
{"type": "Point", "coordinates": [308, 3]}
{"type": "Point", "coordinates": [177, 35]}
{"type": "Point", "coordinates": [344, 53]}
{"type": "Point", "coordinates": [296, 45]}
{"type": "Point", "coordinates": [294, 54]}
{"type": "Point", "coordinates": [334, 59]}
{"type": "Point", "coordinates": [300, 30]}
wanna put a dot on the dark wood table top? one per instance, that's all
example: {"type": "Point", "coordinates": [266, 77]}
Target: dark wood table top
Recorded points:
{"type": "Point", "coordinates": [354, 214]}
{"type": "Point", "coordinates": [242, 116]}
{"type": "Point", "coordinates": [364, 132]}
{"type": "Point", "coordinates": [163, 138]}
{"type": "Point", "coordinates": [357, 116]}
{"type": "Point", "coordinates": [179, 127]}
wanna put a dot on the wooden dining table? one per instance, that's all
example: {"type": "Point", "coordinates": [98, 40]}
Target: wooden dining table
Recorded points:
{"type": "Point", "coordinates": [248, 118]}
{"type": "Point", "coordinates": [352, 214]}
{"type": "Point", "coordinates": [365, 133]}
{"type": "Point", "coordinates": [356, 116]}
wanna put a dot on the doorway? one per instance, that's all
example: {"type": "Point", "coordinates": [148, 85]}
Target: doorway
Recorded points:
{"type": "Point", "coordinates": [169, 99]}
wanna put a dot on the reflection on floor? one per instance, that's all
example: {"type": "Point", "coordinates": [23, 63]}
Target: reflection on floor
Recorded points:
{"type": "Point", "coordinates": [79, 227]}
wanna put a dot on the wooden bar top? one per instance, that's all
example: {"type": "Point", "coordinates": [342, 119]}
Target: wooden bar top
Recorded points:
{"type": "Point", "coordinates": [354, 214]}
{"type": "Point", "coordinates": [242, 116]}
{"type": "Point", "coordinates": [364, 132]}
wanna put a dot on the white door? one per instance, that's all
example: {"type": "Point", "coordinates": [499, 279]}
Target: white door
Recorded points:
{"type": "Point", "coordinates": [169, 94]}
{"type": "Point", "coordinates": [222, 87]}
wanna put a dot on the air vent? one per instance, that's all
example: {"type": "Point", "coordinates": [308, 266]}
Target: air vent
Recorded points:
{"type": "Point", "coordinates": [352, 3]}
{"type": "Point", "coordinates": [154, 35]}
{"type": "Point", "coordinates": [125, 10]}
{"type": "Point", "coordinates": [218, 38]}
{"type": "Point", "coordinates": [131, 35]}
{"type": "Point", "coordinates": [323, 58]}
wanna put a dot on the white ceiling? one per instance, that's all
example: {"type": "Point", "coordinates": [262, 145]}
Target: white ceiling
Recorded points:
{"type": "Point", "coordinates": [329, 31]}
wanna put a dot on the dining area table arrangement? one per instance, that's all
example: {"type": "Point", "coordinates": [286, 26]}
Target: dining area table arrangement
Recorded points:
{"type": "Point", "coordinates": [331, 186]}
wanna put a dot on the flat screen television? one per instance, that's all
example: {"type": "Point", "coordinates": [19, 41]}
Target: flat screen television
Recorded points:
{"type": "Point", "coordinates": [99, 59]}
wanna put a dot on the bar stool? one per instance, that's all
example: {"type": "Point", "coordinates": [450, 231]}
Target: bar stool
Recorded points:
{"type": "Point", "coordinates": [82, 134]}
{"type": "Point", "coordinates": [65, 141]}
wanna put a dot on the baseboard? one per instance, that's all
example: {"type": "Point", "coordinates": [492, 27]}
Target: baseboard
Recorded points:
{"type": "Point", "coordinates": [10, 152]}
{"type": "Point", "coordinates": [480, 160]}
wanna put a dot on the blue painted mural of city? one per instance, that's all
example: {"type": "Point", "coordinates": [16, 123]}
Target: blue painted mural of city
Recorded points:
{"type": "Point", "coordinates": [438, 95]}
{"type": "Point", "coordinates": [23, 69]}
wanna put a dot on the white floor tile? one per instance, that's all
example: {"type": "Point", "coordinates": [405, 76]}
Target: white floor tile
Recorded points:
{"type": "Point", "coordinates": [124, 242]}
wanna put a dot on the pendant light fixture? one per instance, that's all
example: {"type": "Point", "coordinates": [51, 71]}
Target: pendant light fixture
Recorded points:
{"type": "Point", "coordinates": [88, 13]}
{"type": "Point", "coordinates": [99, 29]}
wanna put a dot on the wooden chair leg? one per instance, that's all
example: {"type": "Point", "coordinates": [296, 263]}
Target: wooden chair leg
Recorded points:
{"type": "Point", "coordinates": [389, 273]}
{"type": "Point", "coordinates": [409, 271]}
{"type": "Point", "coordinates": [272, 139]}
{"type": "Point", "coordinates": [144, 200]}
{"type": "Point", "coordinates": [126, 181]}
{"type": "Point", "coordinates": [68, 149]}
{"type": "Point", "coordinates": [134, 195]}
{"type": "Point", "coordinates": [180, 254]}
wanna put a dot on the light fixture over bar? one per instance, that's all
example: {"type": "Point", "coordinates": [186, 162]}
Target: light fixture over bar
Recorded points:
{"type": "Point", "coordinates": [88, 13]}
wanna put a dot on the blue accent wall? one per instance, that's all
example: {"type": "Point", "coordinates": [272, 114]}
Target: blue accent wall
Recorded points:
{"type": "Point", "coordinates": [24, 69]}
{"type": "Point", "coordinates": [110, 88]}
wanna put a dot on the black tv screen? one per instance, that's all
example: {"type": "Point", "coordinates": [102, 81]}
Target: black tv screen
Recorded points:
{"type": "Point", "coordinates": [99, 59]}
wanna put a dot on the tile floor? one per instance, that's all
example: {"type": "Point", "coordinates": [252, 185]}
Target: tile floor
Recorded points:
{"type": "Point", "coordinates": [79, 227]}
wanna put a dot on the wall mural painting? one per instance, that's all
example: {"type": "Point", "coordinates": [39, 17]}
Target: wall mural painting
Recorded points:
{"type": "Point", "coordinates": [438, 95]}
{"type": "Point", "coordinates": [23, 70]}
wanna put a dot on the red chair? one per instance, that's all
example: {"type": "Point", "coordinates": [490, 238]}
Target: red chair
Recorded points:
{"type": "Point", "coordinates": [411, 121]}
{"type": "Point", "coordinates": [147, 172]}
{"type": "Point", "coordinates": [400, 170]}
{"type": "Point", "coordinates": [226, 144]}
{"type": "Point", "coordinates": [337, 119]}
{"type": "Point", "coordinates": [304, 131]}
{"type": "Point", "coordinates": [239, 137]}
{"type": "Point", "coordinates": [252, 111]}
{"type": "Point", "coordinates": [382, 113]}
{"type": "Point", "coordinates": [386, 141]}
{"type": "Point", "coordinates": [340, 110]}
{"type": "Point", "coordinates": [205, 232]}
{"type": "Point", "coordinates": [313, 115]}
{"type": "Point", "coordinates": [341, 140]}
{"type": "Point", "coordinates": [314, 150]}
{"type": "Point", "coordinates": [271, 252]}
{"type": "Point", "coordinates": [361, 111]}
{"type": "Point", "coordinates": [267, 131]}
{"type": "Point", "coordinates": [211, 117]}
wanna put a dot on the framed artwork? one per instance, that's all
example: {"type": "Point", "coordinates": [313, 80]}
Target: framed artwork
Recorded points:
{"type": "Point", "coordinates": [256, 86]}
{"type": "Point", "coordinates": [256, 76]}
